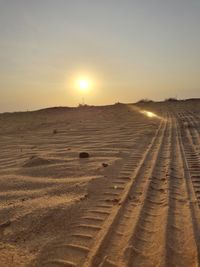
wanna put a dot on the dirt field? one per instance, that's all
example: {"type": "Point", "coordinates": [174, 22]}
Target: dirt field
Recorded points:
{"type": "Point", "coordinates": [133, 202]}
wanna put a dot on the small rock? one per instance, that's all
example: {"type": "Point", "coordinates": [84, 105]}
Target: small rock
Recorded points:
{"type": "Point", "coordinates": [84, 155]}
{"type": "Point", "coordinates": [55, 131]}
{"type": "Point", "coordinates": [104, 165]}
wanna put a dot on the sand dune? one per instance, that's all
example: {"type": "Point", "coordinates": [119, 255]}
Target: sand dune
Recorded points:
{"type": "Point", "coordinates": [133, 202]}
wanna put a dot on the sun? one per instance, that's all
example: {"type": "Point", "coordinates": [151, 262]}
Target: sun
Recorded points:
{"type": "Point", "coordinates": [83, 85]}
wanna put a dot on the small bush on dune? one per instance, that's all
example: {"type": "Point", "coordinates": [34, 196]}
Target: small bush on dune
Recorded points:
{"type": "Point", "coordinates": [82, 105]}
{"type": "Point", "coordinates": [144, 101]}
{"type": "Point", "coordinates": [171, 99]}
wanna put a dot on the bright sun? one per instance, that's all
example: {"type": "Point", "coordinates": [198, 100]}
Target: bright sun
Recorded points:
{"type": "Point", "coordinates": [83, 85]}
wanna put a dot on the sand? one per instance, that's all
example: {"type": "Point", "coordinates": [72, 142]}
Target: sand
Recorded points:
{"type": "Point", "coordinates": [133, 202]}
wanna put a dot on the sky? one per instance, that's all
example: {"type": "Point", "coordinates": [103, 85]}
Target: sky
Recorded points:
{"type": "Point", "coordinates": [127, 49]}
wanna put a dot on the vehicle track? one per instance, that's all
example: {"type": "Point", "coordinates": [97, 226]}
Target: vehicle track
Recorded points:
{"type": "Point", "coordinates": [192, 129]}
{"type": "Point", "coordinates": [146, 245]}
{"type": "Point", "coordinates": [189, 141]}
{"type": "Point", "coordinates": [113, 245]}
{"type": "Point", "coordinates": [181, 242]}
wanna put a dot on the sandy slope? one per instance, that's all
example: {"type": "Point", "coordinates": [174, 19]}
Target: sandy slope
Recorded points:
{"type": "Point", "coordinates": [140, 210]}
{"type": "Point", "coordinates": [44, 185]}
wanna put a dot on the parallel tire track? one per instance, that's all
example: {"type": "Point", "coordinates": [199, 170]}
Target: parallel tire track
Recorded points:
{"type": "Point", "coordinates": [116, 236]}
{"type": "Point", "coordinates": [192, 156]}
{"type": "Point", "coordinates": [181, 243]}
{"type": "Point", "coordinates": [148, 238]}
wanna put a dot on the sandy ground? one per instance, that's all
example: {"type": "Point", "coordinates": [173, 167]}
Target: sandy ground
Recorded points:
{"type": "Point", "coordinates": [133, 202]}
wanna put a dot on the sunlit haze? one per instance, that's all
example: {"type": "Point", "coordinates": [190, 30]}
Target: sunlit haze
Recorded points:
{"type": "Point", "coordinates": [149, 114]}
{"type": "Point", "coordinates": [115, 50]}
{"type": "Point", "coordinates": [83, 84]}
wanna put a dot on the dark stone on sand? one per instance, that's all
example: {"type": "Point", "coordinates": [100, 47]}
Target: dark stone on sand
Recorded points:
{"type": "Point", "coordinates": [104, 165]}
{"type": "Point", "coordinates": [83, 155]}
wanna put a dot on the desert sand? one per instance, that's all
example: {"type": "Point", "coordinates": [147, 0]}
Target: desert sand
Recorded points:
{"type": "Point", "coordinates": [133, 202]}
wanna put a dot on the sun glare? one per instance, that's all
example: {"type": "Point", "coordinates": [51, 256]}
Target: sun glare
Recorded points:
{"type": "Point", "coordinates": [149, 114]}
{"type": "Point", "coordinates": [83, 85]}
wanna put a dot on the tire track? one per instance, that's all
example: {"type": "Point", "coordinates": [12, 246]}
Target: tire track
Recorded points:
{"type": "Point", "coordinates": [192, 157]}
{"type": "Point", "coordinates": [112, 247]}
{"type": "Point", "coordinates": [192, 130]}
{"type": "Point", "coordinates": [147, 243]}
{"type": "Point", "coordinates": [181, 243]}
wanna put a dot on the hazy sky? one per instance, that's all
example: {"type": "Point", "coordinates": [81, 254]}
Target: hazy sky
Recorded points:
{"type": "Point", "coordinates": [130, 49]}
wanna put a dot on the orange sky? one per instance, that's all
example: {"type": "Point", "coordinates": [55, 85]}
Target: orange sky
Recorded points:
{"type": "Point", "coordinates": [128, 50]}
